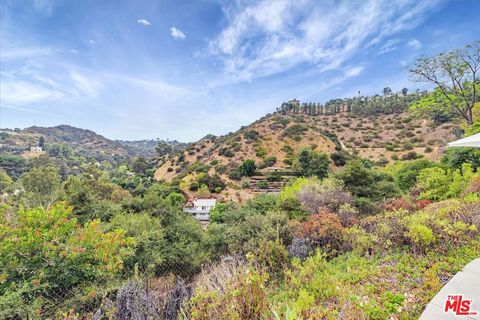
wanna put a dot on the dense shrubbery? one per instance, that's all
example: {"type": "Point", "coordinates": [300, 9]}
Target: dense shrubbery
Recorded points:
{"type": "Point", "coordinates": [46, 256]}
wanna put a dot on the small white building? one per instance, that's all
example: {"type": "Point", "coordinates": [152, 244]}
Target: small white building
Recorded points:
{"type": "Point", "coordinates": [36, 149]}
{"type": "Point", "coordinates": [201, 208]}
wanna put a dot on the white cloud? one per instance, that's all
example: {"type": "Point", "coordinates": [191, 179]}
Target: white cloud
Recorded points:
{"type": "Point", "coordinates": [389, 46]}
{"type": "Point", "coordinates": [91, 41]}
{"type": "Point", "coordinates": [415, 44]}
{"type": "Point", "coordinates": [144, 22]}
{"type": "Point", "coordinates": [85, 86]}
{"type": "Point", "coordinates": [354, 71]}
{"type": "Point", "coordinates": [273, 36]}
{"type": "Point", "coordinates": [74, 51]}
{"type": "Point", "coordinates": [177, 33]}
{"type": "Point", "coordinates": [18, 53]}
{"type": "Point", "coordinates": [19, 92]}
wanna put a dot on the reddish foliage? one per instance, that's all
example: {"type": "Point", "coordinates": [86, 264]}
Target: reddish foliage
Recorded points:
{"type": "Point", "coordinates": [474, 186]}
{"type": "Point", "coordinates": [423, 203]}
{"type": "Point", "coordinates": [322, 229]}
{"type": "Point", "coordinates": [397, 204]}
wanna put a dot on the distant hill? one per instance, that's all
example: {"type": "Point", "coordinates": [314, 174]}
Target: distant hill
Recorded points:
{"type": "Point", "coordinates": [81, 141]}
{"type": "Point", "coordinates": [273, 140]}
{"type": "Point", "coordinates": [147, 148]}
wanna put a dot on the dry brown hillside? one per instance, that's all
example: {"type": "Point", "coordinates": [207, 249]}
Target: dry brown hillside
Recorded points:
{"type": "Point", "coordinates": [275, 139]}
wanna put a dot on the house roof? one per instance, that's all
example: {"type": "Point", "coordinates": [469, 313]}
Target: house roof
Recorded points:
{"type": "Point", "coordinates": [205, 202]}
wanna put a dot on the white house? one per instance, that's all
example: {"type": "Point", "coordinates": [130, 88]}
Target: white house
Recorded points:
{"type": "Point", "coordinates": [201, 208]}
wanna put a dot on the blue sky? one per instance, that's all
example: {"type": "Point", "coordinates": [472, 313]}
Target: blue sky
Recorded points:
{"type": "Point", "coordinates": [183, 69]}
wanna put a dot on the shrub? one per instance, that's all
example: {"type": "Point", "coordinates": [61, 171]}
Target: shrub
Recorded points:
{"type": "Point", "coordinates": [299, 248]}
{"type": "Point", "coordinates": [312, 163]}
{"type": "Point", "coordinates": [263, 184]}
{"type": "Point", "coordinates": [247, 234]}
{"type": "Point", "coordinates": [323, 230]}
{"type": "Point", "coordinates": [410, 156]}
{"type": "Point", "coordinates": [235, 174]}
{"type": "Point", "coordinates": [340, 158]}
{"type": "Point", "coordinates": [251, 135]}
{"type": "Point", "coordinates": [406, 176]}
{"type": "Point", "coordinates": [363, 181]}
{"type": "Point", "coordinates": [247, 168]}
{"type": "Point", "coordinates": [327, 195]}
{"type": "Point", "coordinates": [244, 298]}
{"type": "Point", "coordinates": [269, 161]}
{"type": "Point", "coordinates": [295, 130]}
{"type": "Point", "coordinates": [149, 237]}
{"type": "Point", "coordinates": [245, 183]}
{"type": "Point", "coordinates": [217, 214]}
{"type": "Point", "coordinates": [46, 252]}
{"type": "Point", "coordinates": [439, 184]}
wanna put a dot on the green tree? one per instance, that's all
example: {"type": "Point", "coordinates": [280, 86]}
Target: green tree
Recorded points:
{"type": "Point", "coordinates": [247, 168]}
{"type": "Point", "coordinates": [41, 142]}
{"type": "Point", "coordinates": [433, 106]}
{"type": "Point", "coordinates": [455, 74]}
{"type": "Point", "coordinates": [407, 176]}
{"type": "Point", "coordinates": [217, 214]}
{"type": "Point", "coordinates": [42, 186]}
{"type": "Point", "coordinates": [311, 163]}
{"type": "Point", "coordinates": [149, 236]}
{"type": "Point", "coordinates": [364, 182]}
{"type": "Point", "coordinates": [5, 181]}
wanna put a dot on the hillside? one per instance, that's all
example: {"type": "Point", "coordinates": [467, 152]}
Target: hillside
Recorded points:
{"type": "Point", "coordinates": [275, 139]}
{"type": "Point", "coordinates": [81, 141]}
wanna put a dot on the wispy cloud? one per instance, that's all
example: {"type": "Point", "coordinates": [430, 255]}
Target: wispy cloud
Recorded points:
{"type": "Point", "coordinates": [354, 71]}
{"type": "Point", "coordinates": [18, 53]}
{"type": "Point", "coordinates": [85, 86]}
{"type": "Point", "coordinates": [273, 36]}
{"type": "Point", "coordinates": [17, 92]}
{"type": "Point", "coordinates": [144, 22]}
{"type": "Point", "coordinates": [389, 46]}
{"type": "Point", "coordinates": [415, 44]}
{"type": "Point", "coordinates": [177, 33]}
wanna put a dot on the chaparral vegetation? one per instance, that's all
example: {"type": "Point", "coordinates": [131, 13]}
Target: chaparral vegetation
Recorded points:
{"type": "Point", "coordinates": [322, 213]}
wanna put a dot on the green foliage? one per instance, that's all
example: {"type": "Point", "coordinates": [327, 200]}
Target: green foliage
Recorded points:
{"type": "Point", "coordinates": [439, 184]}
{"type": "Point", "coordinates": [247, 234]}
{"type": "Point", "coordinates": [62, 256]}
{"type": "Point", "coordinates": [217, 214]}
{"type": "Point", "coordinates": [455, 157]}
{"type": "Point", "coordinates": [5, 181]}
{"type": "Point", "coordinates": [214, 183]}
{"type": "Point", "coordinates": [406, 173]}
{"type": "Point", "coordinates": [340, 158]}
{"type": "Point", "coordinates": [269, 161]}
{"type": "Point", "coordinates": [311, 163]}
{"type": "Point", "coordinates": [251, 135]}
{"type": "Point", "coordinates": [85, 191]}
{"type": "Point", "coordinates": [454, 73]}
{"type": "Point", "coordinates": [149, 238]}
{"type": "Point", "coordinates": [433, 106]}
{"type": "Point", "coordinates": [363, 181]}
{"type": "Point", "coordinates": [42, 186]}
{"type": "Point", "coordinates": [247, 168]}
{"type": "Point", "coordinates": [15, 166]}
{"type": "Point", "coordinates": [295, 130]}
